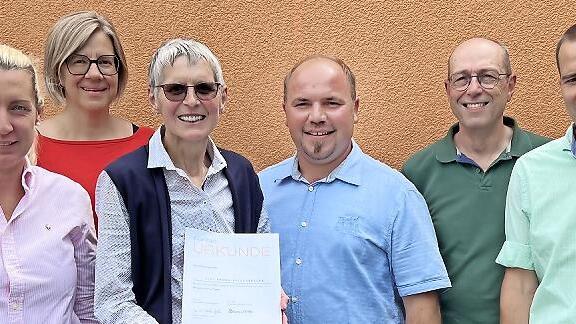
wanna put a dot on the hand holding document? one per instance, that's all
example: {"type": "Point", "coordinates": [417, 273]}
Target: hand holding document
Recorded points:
{"type": "Point", "coordinates": [231, 278]}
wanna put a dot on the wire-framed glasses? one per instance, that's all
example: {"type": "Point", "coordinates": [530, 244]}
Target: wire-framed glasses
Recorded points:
{"type": "Point", "coordinates": [487, 80]}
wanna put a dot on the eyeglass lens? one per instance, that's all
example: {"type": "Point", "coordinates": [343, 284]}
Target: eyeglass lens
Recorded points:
{"type": "Point", "coordinates": [486, 80]}
{"type": "Point", "coordinates": [178, 92]}
{"type": "Point", "coordinates": [80, 64]}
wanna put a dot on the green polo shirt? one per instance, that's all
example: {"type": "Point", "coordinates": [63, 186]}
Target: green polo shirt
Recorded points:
{"type": "Point", "coordinates": [467, 209]}
{"type": "Point", "coordinates": [541, 228]}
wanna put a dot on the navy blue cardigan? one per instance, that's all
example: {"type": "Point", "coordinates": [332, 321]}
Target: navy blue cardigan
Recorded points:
{"type": "Point", "coordinates": [146, 197]}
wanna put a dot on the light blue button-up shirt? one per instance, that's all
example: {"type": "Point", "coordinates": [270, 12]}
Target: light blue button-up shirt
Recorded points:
{"type": "Point", "coordinates": [353, 243]}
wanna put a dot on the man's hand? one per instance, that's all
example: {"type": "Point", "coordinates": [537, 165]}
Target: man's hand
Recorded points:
{"type": "Point", "coordinates": [422, 308]}
{"type": "Point", "coordinates": [518, 288]}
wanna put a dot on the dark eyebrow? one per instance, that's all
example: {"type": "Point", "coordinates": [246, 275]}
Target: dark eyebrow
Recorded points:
{"type": "Point", "coordinates": [569, 76]}
{"type": "Point", "coordinates": [21, 101]}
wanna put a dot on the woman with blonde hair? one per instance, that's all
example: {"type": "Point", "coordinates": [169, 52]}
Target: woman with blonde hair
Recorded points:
{"type": "Point", "coordinates": [85, 71]}
{"type": "Point", "coordinates": [47, 238]}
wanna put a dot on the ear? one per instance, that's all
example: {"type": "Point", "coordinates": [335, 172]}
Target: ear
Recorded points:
{"type": "Point", "coordinates": [356, 106]}
{"type": "Point", "coordinates": [446, 86]}
{"type": "Point", "coordinates": [152, 100]}
{"type": "Point", "coordinates": [224, 99]}
{"type": "Point", "coordinates": [284, 109]}
{"type": "Point", "coordinates": [511, 85]}
{"type": "Point", "coordinates": [39, 113]}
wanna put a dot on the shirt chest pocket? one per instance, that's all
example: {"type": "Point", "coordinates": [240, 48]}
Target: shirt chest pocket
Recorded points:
{"type": "Point", "coordinates": [350, 238]}
{"type": "Point", "coordinates": [348, 224]}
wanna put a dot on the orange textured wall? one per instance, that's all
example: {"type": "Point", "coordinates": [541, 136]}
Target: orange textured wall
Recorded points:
{"type": "Point", "coordinates": [398, 50]}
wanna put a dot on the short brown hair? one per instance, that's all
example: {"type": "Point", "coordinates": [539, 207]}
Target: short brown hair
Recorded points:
{"type": "Point", "coordinates": [349, 74]}
{"type": "Point", "coordinates": [569, 35]}
{"type": "Point", "coordinates": [71, 33]}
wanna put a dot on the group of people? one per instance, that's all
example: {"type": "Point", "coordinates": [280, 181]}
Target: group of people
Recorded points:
{"type": "Point", "coordinates": [476, 228]}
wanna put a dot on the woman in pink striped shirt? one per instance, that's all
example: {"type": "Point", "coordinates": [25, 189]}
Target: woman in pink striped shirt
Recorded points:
{"type": "Point", "coordinates": [47, 240]}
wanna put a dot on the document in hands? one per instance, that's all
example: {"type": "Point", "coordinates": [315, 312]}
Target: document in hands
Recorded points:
{"type": "Point", "coordinates": [231, 278]}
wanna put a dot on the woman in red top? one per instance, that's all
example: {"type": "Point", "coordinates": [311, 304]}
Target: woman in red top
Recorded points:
{"type": "Point", "coordinates": [85, 71]}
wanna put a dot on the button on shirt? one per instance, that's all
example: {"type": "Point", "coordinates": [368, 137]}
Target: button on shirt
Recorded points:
{"type": "Point", "coordinates": [47, 253]}
{"type": "Point", "coordinates": [353, 243]}
{"type": "Point", "coordinates": [208, 208]}
{"type": "Point", "coordinates": [467, 209]}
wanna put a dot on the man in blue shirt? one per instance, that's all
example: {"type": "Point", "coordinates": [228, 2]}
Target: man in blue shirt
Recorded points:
{"type": "Point", "coordinates": [357, 243]}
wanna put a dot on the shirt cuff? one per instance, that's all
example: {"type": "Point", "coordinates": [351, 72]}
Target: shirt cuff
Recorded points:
{"type": "Point", "coordinates": [424, 286]}
{"type": "Point", "coordinates": [516, 255]}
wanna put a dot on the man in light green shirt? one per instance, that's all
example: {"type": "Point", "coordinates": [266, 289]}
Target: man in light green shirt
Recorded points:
{"type": "Point", "coordinates": [539, 285]}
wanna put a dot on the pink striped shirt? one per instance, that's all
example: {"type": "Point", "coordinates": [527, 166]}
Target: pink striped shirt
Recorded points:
{"type": "Point", "coordinates": [47, 253]}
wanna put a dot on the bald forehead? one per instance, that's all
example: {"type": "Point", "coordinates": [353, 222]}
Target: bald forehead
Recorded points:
{"type": "Point", "coordinates": [479, 48]}
{"type": "Point", "coordinates": [318, 68]}
{"type": "Point", "coordinates": [317, 65]}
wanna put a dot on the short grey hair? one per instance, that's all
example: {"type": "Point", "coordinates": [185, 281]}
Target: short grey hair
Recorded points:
{"type": "Point", "coordinates": [172, 49]}
{"type": "Point", "coordinates": [505, 53]}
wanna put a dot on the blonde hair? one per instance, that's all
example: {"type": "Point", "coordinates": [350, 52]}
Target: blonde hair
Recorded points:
{"type": "Point", "coordinates": [68, 35]}
{"type": "Point", "coordinates": [13, 59]}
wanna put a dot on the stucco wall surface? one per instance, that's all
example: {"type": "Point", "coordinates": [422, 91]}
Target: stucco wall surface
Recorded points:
{"type": "Point", "coordinates": [398, 50]}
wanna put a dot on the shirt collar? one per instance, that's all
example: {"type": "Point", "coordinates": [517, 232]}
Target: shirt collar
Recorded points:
{"type": "Point", "coordinates": [348, 171]}
{"type": "Point", "coordinates": [28, 177]}
{"type": "Point", "coordinates": [159, 158]}
{"type": "Point", "coordinates": [569, 142]}
{"type": "Point", "coordinates": [447, 151]}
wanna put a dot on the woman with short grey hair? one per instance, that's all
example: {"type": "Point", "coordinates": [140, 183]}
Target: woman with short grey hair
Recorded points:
{"type": "Point", "coordinates": [146, 199]}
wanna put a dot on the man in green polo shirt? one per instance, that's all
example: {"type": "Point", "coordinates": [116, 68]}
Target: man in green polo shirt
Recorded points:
{"type": "Point", "coordinates": [540, 249]}
{"type": "Point", "coordinates": [464, 177]}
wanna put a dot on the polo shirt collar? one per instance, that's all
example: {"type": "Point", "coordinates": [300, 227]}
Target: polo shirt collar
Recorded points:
{"type": "Point", "coordinates": [569, 142]}
{"type": "Point", "coordinates": [447, 151]}
{"type": "Point", "coordinates": [158, 157]}
{"type": "Point", "coordinates": [348, 171]}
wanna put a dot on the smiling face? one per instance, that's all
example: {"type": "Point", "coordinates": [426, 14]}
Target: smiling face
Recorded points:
{"type": "Point", "coordinates": [567, 69]}
{"type": "Point", "coordinates": [91, 91]}
{"type": "Point", "coordinates": [190, 120]}
{"type": "Point", "coordinates": [477, 107]}
{"type": "Point", "coordinates": [18, 114]}
{"type": "Point", "coordinates": [320, 113]}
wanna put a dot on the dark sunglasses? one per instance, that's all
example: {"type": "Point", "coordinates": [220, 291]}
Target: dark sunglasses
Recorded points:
{"type": "Point", "coordinates": [204, 91]}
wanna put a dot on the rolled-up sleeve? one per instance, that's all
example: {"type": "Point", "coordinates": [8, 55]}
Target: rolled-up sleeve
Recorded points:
{"type": "Point", "coordinates": [516, 251]}
{"type": "Point", "coordinates": [415, 257]}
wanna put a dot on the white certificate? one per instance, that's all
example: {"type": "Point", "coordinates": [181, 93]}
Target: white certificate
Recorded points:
{"type": "Point", "coordinates": [231, 278]}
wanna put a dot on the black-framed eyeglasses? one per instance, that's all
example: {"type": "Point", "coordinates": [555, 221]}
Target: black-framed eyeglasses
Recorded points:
{"type": "Point", "coordinates": [204, 91]}
{"type": "Point", "coordinates": [79, 64]}
{"type": "Point", "coordinates": [487, 80]}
